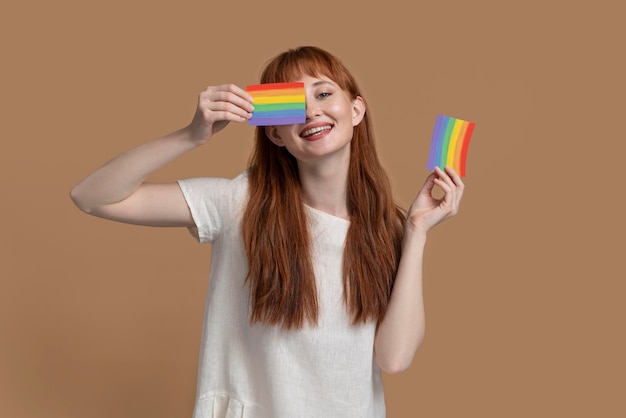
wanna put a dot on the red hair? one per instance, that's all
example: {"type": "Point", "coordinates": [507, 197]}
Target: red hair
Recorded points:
{"type": "Point", "coordinates": [277, 243]}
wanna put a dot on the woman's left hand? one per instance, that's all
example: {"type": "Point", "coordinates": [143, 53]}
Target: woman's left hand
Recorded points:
{"type": "Point", "coordinates": [426, 211]}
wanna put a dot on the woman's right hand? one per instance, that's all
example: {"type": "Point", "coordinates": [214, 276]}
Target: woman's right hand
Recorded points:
{"type": "Point", "coordinates": [217, 106]}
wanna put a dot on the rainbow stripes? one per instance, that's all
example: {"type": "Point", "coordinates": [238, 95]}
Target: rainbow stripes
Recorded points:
{"type": "Point", "coordinates": [449, 144]}
{"type": "Point", "coordinates": [277, 104]}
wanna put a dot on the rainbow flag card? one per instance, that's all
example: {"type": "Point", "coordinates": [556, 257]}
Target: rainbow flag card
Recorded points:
{"type": "Point", "coordinates": [449, 144]}
{"type": "Point", "coordinates": [277, 104]}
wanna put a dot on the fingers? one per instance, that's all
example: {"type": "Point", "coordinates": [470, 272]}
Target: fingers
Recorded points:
{"type": "Point", "coordinates": [426, 211]}
{"type": "Point", "coordinates": [453, 187]}
{"type": "Point", "coordinates": [226, 102]}
{"type": "Point", "coordinates": [456, 179]}
{"type": "Point", "coordinates": [217, 107]}
{"type": "Point", "coordinates": [429, 184]}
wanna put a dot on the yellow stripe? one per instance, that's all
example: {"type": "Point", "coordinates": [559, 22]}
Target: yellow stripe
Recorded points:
{"type": "Point", "coordinates": [279, 99]}
{"type": "Point", "coordinates": [459, 146]}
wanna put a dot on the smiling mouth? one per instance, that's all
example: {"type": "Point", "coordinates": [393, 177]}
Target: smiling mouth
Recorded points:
{"type": "Point", "coordinates": [316, 130]}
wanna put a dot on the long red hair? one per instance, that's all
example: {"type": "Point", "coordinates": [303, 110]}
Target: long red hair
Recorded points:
{"type": "Point", "coordinates": [277, 243]}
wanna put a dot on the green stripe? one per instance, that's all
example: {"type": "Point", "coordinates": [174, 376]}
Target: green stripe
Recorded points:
{"type": "Point", "coordinates": [446, 143]}
{"type": "Point", "coordinates": [278, 106]}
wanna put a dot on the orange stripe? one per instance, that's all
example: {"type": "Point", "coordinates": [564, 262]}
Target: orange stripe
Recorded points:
{"type": "Point", "coordinates": [466, 142]}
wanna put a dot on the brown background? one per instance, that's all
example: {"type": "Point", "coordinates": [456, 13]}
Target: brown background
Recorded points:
{"type": "Point", "coordinates": [523, 289]}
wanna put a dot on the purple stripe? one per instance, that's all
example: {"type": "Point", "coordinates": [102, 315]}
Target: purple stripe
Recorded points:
{"type": "Point", "coordinates": [441, 137]}
{"type": "Point", "coordinates": [433, 143]}
{"type": "Point", "coordinates": [292, 120]}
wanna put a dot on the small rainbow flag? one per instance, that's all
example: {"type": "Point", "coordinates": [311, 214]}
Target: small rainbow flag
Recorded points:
{"type": "Point", "coordinates": [277, 104]}
{"type": "Point", "coordinates": [449, 144]}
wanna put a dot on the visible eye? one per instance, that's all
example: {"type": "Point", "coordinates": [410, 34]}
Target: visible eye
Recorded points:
{"type": "Point", "coordinates": [323, 95]}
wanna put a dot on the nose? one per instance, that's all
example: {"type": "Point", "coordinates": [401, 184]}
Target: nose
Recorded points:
{"type": "Point", "coordinates": [312, 111]}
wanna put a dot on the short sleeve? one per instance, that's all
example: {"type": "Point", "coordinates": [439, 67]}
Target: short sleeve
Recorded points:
{"type": "Point", "coordinates": [215, 203]}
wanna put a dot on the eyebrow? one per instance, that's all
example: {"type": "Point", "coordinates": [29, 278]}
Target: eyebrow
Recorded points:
{"type": "Point", "coordinates": [322, 82]}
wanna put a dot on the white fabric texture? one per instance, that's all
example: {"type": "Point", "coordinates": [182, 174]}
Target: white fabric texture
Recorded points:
{"type": "Point", "coordinates": [259, 371]}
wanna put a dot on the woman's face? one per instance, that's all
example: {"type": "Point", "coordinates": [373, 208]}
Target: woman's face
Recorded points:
{"type": "Point", "coordinates": [331, 115]}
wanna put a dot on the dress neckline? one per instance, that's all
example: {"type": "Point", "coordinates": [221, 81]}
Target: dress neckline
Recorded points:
{"type": "Point", "coordinates": [326, 214]}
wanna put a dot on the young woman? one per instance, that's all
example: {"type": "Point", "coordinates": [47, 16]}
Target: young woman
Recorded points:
{"type": "Point", "coordinates": [316, 275]}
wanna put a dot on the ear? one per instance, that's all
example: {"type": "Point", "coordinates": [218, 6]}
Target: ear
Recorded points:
{"type": "Point", "coordinates": [358, 110]}
{"type": "Point", "coordinates": [272, 134]}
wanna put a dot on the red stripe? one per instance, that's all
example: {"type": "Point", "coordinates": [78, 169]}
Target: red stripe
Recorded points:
{"type": "Point", "coordinates": [274, 86]}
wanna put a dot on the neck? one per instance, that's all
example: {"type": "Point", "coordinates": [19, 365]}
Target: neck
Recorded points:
{"type": "Point", "coordinates": [325, 187]}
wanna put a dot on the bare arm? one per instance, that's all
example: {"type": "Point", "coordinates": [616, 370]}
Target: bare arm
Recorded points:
{"type": "Point", "coordinates": [401, 332]}
{"type": "Point", "coordinates": [118, 190]}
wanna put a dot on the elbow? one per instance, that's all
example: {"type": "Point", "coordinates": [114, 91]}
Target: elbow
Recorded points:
{"type": "Point", "coordinates": [395, 366]}
{"type": "Point", "coordinates": [397, 358]}
{"type": "Point", "coordinates": [395, 362]}
{"type": "Point", "coordinates": [77, 198]}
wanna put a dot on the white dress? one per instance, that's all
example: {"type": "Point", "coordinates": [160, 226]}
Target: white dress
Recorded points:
{"type": "Point", "coordinates": [260, 371]}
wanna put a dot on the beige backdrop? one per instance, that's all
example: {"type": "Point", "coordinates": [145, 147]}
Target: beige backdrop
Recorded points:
{"type": "Point", "coordinates": [523, 289]}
